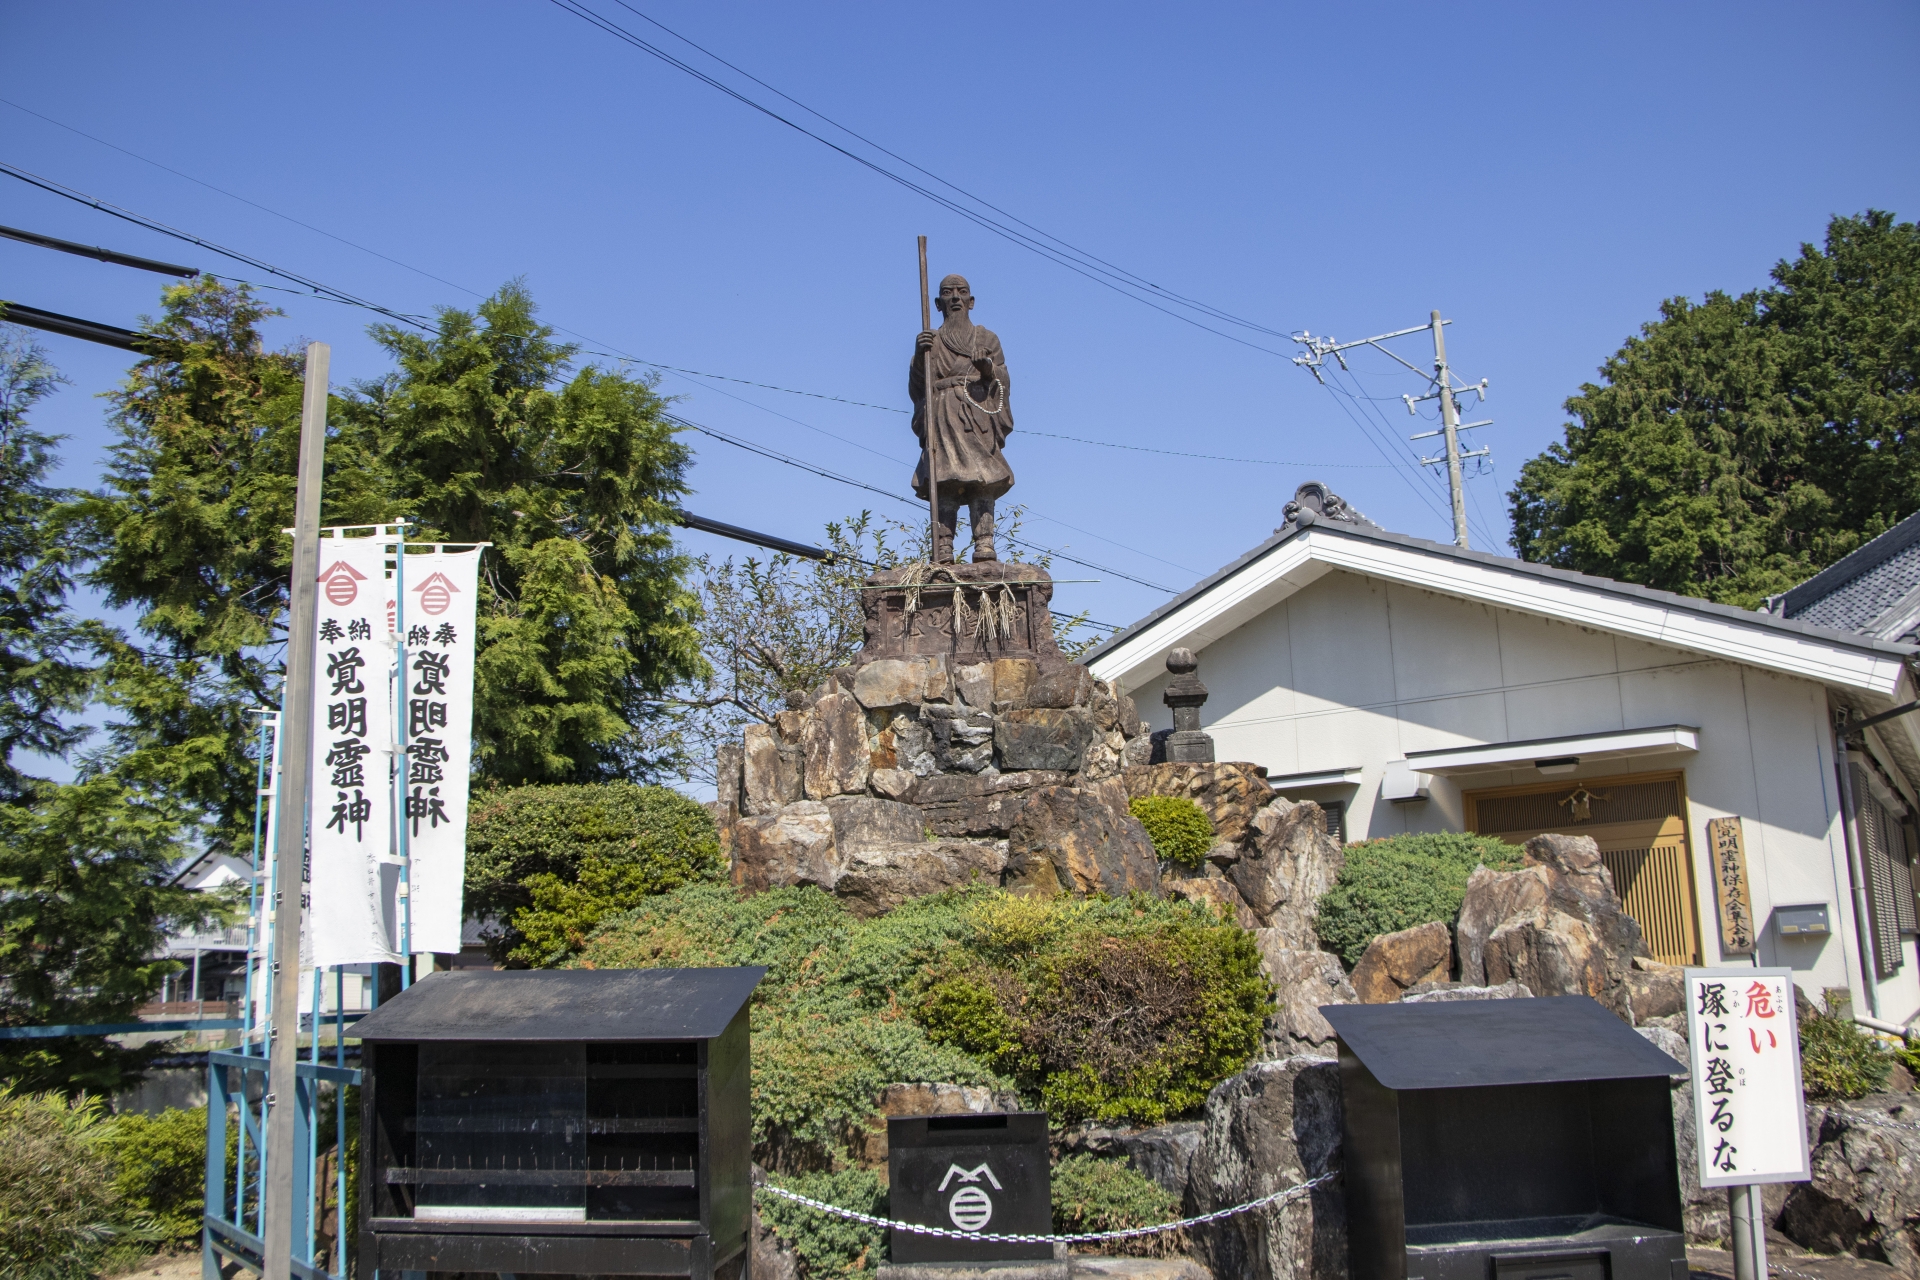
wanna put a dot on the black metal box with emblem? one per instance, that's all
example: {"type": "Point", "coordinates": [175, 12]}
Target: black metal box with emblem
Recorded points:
{"type": "Point", "coordinates": [1507, 1140]}
{"type": "Point", "coordinates": [980, 1174]}
{"type": "Point", "coordinates": [581, 1122]}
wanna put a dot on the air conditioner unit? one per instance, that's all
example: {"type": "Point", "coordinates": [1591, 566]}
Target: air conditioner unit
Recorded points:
{"type": "Point", "coordinates": [1400, 784]}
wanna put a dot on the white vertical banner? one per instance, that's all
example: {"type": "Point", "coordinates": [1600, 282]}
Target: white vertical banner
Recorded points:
{"type": "Point", "coordinates": [1749, 1112]}
{"type": "Point", "coordinates": [352, 796]}
{"type": "Point", "coordinates": [436, 701]}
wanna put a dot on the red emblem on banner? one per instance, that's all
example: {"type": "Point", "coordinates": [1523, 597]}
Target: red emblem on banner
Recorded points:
{"type": "Point", "coordinates": [343, 583]}
{"type": "Point", "coordinates": [436, 593]}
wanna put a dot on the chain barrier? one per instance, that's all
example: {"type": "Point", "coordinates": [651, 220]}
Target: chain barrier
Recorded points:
{"type": "Point", "coordinates": [1082, 1237]}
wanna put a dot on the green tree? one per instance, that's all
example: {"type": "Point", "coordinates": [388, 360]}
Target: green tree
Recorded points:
{"type": "Point", "coordinates": [43, 671]}
{"type": "Point", "coordinates": [1741, 444]}
{"type": "Point", "coordinates": [189, 529]}
{"type": "Point", "coordinates": [585, 616]}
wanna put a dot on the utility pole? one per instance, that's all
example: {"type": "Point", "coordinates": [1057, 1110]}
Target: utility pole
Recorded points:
{"type": "Point", "coordinates": [290, 803]}
{"type": "Point", "coordinates": [1318, 349]}
{"type": "Point", "coordinates": [1450, 425]}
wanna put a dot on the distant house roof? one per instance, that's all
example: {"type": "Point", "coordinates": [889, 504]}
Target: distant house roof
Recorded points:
{"type": "Point", "coordinates": [1873, 592]}
{"type": "Point", "coordinates": [1312, 543]}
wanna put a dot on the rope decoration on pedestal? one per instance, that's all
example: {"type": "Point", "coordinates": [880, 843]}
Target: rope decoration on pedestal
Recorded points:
{"type": "Point", "coordinates": [1082, 1237]}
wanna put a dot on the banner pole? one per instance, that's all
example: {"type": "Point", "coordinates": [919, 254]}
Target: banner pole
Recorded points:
{"type": "Point", "coordinates": [290, 806]}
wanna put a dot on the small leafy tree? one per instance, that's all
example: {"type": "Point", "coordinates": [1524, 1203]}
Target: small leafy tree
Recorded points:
{"type": "Point", "coordinates": [1398, 882]}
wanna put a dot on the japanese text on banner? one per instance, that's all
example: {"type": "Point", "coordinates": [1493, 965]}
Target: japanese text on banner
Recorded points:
{"type": "Point", "coordinates": [352, 794]}
{"type": "Point", "coordinates": [1745, 1049]}
{"type": "Point", "coordinates": [437, 702]}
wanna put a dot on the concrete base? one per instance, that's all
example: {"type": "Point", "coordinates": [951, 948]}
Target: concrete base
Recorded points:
{"type": "Point", "coordinates": [1074, 1267]}
{"type": "Point", "coordinates": [1056, 1269]}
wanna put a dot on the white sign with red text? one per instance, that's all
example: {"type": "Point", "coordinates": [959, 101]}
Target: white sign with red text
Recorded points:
{"type": "Point", "coordinates": [1748, 1108]}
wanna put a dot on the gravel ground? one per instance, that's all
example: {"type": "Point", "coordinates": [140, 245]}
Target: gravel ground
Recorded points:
{"type": "Point", "coordinates": [1787, 1260]}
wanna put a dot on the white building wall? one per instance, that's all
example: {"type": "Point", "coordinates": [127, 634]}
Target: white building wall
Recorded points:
{"type": "Point", "coordinates": [1356, 672]}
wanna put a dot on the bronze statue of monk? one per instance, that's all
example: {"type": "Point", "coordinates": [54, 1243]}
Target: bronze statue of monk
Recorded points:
{"type": "Point", "coordinates": [965, 422]}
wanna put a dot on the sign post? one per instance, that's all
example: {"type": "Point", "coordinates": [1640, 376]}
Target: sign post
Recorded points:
{"type": "Point", "coordinates": [1749, 1112]}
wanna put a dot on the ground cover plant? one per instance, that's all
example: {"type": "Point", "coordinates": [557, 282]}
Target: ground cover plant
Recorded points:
{"type": "Point", "coordinates": [1837, 1058]}
{"type": "Point", "coordinates": [1398, 882]}
{"type": "Point", "coordinates": [1094, 1194]}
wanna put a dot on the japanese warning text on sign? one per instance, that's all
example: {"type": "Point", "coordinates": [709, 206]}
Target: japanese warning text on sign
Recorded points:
{"type": "Point", "coordinates": [352, 793]}
{"type": "Point", "coordinates": [1748, 1109]}
{"type": "Point", "coordinates": [436, 704]}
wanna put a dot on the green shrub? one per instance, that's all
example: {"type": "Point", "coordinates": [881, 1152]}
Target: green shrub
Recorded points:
{"type": "Point", "coordinates": [1092, 1194]}
{"type": "Point", "coordinates": [1101, 1010]}
{"type": "Point", "coordinates": [1838, 1059]}
{"type": "Point", "coordinates": [1179, 828]}
{"type": "Point", "coordinates": [550, 862]}
{"type": "Point", "coordinates": [828, 1245]}
{"type": "Point", "coordinates": [62, 1215]}
{"type": "Point", "coordinates": [160, 1167]}
{"type": "Point", "coordinates": [1398, 882]}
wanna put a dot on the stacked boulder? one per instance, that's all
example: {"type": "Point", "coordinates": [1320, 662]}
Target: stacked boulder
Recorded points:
{"type": "Point", "coordinates": [904, 776]}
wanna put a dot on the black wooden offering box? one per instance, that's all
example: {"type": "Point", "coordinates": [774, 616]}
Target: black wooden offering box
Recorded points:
{"type": "Point", "coordinates": [580, 1122]}
{"type": "Point", "coordinates": [1507, 1140]}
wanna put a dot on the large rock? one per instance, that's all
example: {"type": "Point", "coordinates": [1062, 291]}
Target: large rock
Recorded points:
{"type": "Point", "coordinates": [1865, 1195]}
{"type": "Point", "coordinates": [1043, 738]}
{"type": "Point", "coordinates": [861, 823]}
{"type": "Point", "coordinates": [886, 683]}
{"type": "Point", "coordinates": [913, 746]}
{"type": "Point", "coordinates": [868, 1141]}
{"type": "Point", "coordinates": [1703, 1211]}
{"type": "Point", "coordinates": [793, 846]}
{"type": "Point", "coordinates": [874, 881]}
{"type": "Point", "coordinates": [974, 684]}
{"type": "Point", "coordinates": [1217, 893]}
{"type": "Point", "coordinates": [770, 771]}
{"type": "Point", "coordinates": [979, 804]}
{"type": "Point", "coordinates": [835, 741]}
{"type": "Point", "coordinates": [1556, 925]}
{"type": "Point", "coordinates": [1228, 792]}
{"type": "Point", "coordinates": [1396, 961]}
{"type": "Point", "coordinates": [1303, 980]}
{"type": "Point", "coordinates": [1165, 1153]}
{"type": "Point", "coordinates": [1656, 990]}
{"type": "Point", "coordinates": [1012, 678]}
{"type": "Point", "coordinates": [962, 739]}
{"type": "Point", "coordinates": [1275, 1125]}
{"type": "Point", "coordinates": [1447, 992]}
{"type": "Point", "coordinates": [769, 1257]}
{"type": "Point", "coordinates": [1290, 861]}
{"type": "Point", "coordinates": [1067, 686]}
{"type": "Point", "coordinates": [1080, 840]}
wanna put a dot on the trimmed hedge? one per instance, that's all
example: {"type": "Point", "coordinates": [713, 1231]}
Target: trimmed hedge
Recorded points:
{"type": "Point", "coordinates": [1180, 829]}
{"type": "Point", "coordinates": [1398, 882]}
{"type": "Point", "coordinates": [549, 863]}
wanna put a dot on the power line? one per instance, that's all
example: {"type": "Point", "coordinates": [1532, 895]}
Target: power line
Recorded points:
{"type": "Point", "coordinates": [1213, 457]}
{"type": "Point", "coordinates": [1105, 278]}
{"type": "Point", "coordinates": [139, 220]}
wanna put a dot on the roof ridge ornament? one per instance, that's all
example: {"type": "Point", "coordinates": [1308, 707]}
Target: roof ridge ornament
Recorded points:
{"type": "Point", "coordinates": [1314, 501]}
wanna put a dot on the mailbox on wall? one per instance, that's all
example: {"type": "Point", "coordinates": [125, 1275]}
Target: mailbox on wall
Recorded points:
{"type": "Point", "coordinates": [587, 1122]}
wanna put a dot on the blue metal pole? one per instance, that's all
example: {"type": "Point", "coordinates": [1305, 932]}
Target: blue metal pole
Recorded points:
{"type": "Point", "coordinates": [340, 1228]}
{"type": "Point", "coordinates": [216, 1193]}
{"type": "Point", "coordinates": [315, 1189]}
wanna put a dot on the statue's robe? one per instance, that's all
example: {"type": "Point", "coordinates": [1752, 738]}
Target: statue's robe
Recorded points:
{"type": "Point", "coordinates": [967, 436]}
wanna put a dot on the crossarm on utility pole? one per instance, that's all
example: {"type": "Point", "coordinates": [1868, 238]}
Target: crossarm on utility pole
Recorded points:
{"type": "Point", "coordinates": [1450, 419]}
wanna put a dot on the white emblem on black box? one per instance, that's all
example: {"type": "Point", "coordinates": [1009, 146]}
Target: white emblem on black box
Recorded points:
{"type": "Point", "coordinates": [971, 1208]}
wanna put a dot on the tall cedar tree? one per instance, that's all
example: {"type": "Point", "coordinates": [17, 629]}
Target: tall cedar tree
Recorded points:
{"type": "Point", "coordinates": [1742, 444]}
{"type": "Point", "coordinates": [86, 893]}
{"type": "Point", "coordinates": [190, 530]}
{"type": "Point", "coordinates": [585, 614]}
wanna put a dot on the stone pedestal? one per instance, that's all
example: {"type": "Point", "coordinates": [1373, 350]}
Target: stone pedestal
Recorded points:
{"type": "Point", "coordinates": [969, 612]}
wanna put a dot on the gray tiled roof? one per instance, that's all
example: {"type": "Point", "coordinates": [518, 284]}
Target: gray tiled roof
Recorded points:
{"type": "Point", "coordinates": [1861, 591]}
{"type": "Point", "coordinates": [1772, 621]}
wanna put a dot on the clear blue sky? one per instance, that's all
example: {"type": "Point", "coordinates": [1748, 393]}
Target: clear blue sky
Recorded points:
{"type": "Point", "coordinates": [1544, 174]}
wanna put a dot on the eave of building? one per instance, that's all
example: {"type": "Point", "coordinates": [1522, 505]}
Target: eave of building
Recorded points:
{"type": "Point", "coordinates": [1296, 557]}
